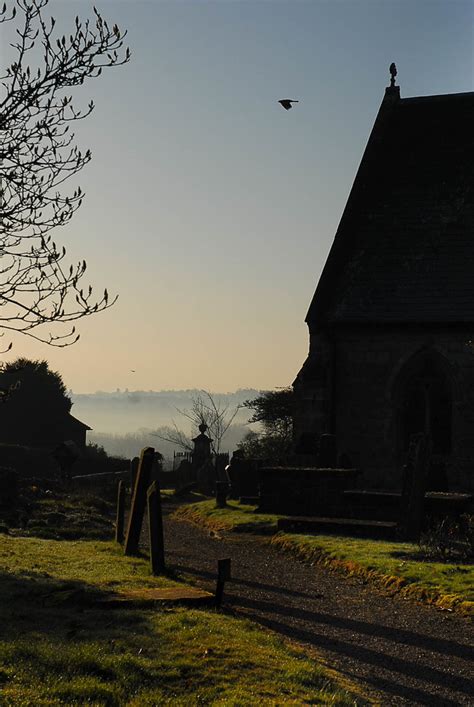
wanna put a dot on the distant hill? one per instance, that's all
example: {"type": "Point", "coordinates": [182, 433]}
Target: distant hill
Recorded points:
{"type": "Point", "coordinates": [124, 421]}
{"type": "Point", "coordinates": [127, 411]}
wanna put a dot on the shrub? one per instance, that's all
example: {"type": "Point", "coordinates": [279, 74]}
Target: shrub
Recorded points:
{"type": "Point", "coordinates": [449, 540]}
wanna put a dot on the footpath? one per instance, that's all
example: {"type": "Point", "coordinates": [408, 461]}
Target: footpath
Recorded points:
{"type": "Point", "coordinates": [402, 652]}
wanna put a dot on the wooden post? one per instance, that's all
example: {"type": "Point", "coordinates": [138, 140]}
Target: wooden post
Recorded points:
{"type": "Point", "coordinates": [137, 509]}
{"type": "Point", "coordinates": [155, 529]}
{"type": "Point", "coordinates": [120, 517]}
{"type": "Point", "coordinates": [223, 576]}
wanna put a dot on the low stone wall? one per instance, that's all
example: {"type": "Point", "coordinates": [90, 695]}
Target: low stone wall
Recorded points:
{"type": "Point", "coordinates": [99, 484]}
{"type": "Point", "coordinates": [304, 491]}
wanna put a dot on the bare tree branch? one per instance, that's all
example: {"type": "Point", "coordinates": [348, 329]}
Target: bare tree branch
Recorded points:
{"type": "Point", "coordinates": [177, 437]}
{"type": "Point", "coordinates": [37, 155]}
{"type": "Point", "coordinates": [207, 411]}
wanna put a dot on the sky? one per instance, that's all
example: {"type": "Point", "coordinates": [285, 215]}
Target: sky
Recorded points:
{"type": "Point", "coordinates": [209, 209]}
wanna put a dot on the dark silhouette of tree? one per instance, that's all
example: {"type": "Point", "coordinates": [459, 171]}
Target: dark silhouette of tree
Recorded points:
{"type": "Point", "coordinates": [37, 402]}
{"type": "Point", "coordinates": [273, 409]}
{"type": "Point", "coordinates": [37, 155]}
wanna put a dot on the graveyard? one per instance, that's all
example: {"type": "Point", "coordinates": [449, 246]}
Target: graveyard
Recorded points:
{"type": "Point", "coordinates": [109, 606]}
{"type": "Point", "coordinates": [326, 556]}
{"type": "Point", "coordinates": [82, 622]}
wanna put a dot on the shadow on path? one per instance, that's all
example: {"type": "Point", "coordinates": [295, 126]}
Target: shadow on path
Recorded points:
{"type": "Point", "coordinates": [410, 653]}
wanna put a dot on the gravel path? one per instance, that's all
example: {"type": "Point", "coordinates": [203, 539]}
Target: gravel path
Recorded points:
{"type": "Point", "coordinates": [407, 653]}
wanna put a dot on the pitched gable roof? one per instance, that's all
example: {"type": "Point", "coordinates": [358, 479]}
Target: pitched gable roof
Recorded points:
{"type": "Point", "coordinates": [404, 249]}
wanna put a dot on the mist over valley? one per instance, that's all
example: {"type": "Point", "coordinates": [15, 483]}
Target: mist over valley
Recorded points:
{"type": "Point", "coordinates": [124, 421]}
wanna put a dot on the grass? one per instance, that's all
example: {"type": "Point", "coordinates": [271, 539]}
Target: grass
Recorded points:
{"type": "Point", "coordinates": [236, 517]}
{"type": "Point", "coordinates": [55, 652]}
{"type": "Point", "coordinates": [60, 515]}
{"type": "Point", "coordinates": [399, 567]}
{"type": "Point", "coordinates": [97, 564]}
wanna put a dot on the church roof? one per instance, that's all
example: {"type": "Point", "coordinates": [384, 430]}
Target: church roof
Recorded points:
{"type": "Point", "coordinates": [404, 249]}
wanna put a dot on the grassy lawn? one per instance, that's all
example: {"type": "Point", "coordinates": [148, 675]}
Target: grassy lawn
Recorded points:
{"type": "Point", "coordinates": [397, 566]}
{"type": "Point", "coordinates": [56, 650]}
{"type": "Point", "coordinates": [236, 517]}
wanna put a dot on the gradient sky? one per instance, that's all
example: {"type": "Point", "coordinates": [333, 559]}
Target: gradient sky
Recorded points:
{"type": "Point", "coordinates": [210, 210]}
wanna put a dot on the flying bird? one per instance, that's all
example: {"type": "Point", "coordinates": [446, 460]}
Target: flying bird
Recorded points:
{"type": "Point", "coordinates": [286, 103]}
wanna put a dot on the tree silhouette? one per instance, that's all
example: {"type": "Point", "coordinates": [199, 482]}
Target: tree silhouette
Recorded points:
{"type": "Point", "coordinates": [37, 402]}
{"type": "Point", "coordinates": [37, 155]}
{"type": "Point", "coordinates": [273, 409]}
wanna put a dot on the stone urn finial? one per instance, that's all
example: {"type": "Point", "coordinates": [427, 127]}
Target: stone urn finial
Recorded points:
{"type": "Point", "coordinates": [202, 427]}
{"type": "Point", "coordinates": [393, 73]}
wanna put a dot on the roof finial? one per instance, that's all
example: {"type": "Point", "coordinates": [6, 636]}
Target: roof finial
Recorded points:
{"type": "Point", "coordinates": [393, 73]}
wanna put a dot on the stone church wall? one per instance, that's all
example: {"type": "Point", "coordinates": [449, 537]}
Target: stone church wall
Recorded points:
{"type": "Point", "coordinates": [348, 386]}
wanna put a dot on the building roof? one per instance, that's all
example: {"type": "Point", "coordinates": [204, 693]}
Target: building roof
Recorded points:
{"type": "Point", "coordinates": [74, 421]}
{"type": "Point", "coordinates": [404, 249]}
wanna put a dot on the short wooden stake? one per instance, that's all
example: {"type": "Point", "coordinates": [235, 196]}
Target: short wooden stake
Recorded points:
{"type": "Point", "coordinates": [223, 576]}
{"type": "Point", "coordinates": [155, 529]}
{"type": "Point", "coordinates": [137, 509]}
{"type": "Point", "coordinates": [120, 517]}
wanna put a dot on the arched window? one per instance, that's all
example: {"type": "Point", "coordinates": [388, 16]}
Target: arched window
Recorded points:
{"type": "Point", "coordinates": [427, 405]}
{"type": "Point", "coordinates": [423, 396]}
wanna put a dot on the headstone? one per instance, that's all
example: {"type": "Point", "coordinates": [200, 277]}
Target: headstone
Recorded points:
{"type": "Point", "coordinates": [133, 471]}
{"type": "Point", "coordinates": [184, 474]}
{"type": "Point", "coordinates": [222, 489]}
{"type": "Point", "coordinates": [327, 455]}
{"type": "Point", "coordinates": [202, 447]}
{"type": "Point", "coordinates": [307, 444]}
{"type": "Point", "coordinates": [137, 509]}
{"type": "Point", "coordinates": [202, 461]}
{"type": "Point", "coordinates": [344, 461]}
{"type": "Point", "coordinates": [232, 471]}
{"type": "Point", "coordinates": [120, 517]}
{"type": "Point", "coordinates": [8, 485]}
{"type": "Point", "coordinates": [414, 486]}
{"type": "Point", "coordinates": [155, 529]}
{"type": "Point", "coordinates": [66, 454]}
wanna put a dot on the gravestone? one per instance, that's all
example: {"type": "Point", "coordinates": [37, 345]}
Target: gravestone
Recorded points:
{"type": "Point", "coordinates": [327, 455]}
{"type": "Point", "coordinates": [222, 489]}
{"type": "Point", "coordinates": [137, 509]}
{"type": "Point", "coordinates": [133, 471]}
{"type": "Point", "coordinates": [120, 517]}
{"type": "Point", "coordinates": [8, 485]}
{"type": "Point", "coordinates": [415, 474]}
{"type": "Point", "coordinates": [66, 454]}
{"type": "Point", "coordinates": [155, 529]}
{"type": "Point", "coordinates": [202, 461]}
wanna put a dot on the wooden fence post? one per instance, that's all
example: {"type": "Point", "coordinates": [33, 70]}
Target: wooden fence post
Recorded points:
{"type": "Point", "coordinates": [137, 509]}
{"type": "Point", "coordinates": [155, 529]}
{"type": "Point", "coordinates": [223, 575]}
{"type": "Point", "coordinates": [120, 517]}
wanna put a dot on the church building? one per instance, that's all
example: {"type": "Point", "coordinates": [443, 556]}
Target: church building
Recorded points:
{"type": "Point", "coordinates": [391, 323]}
